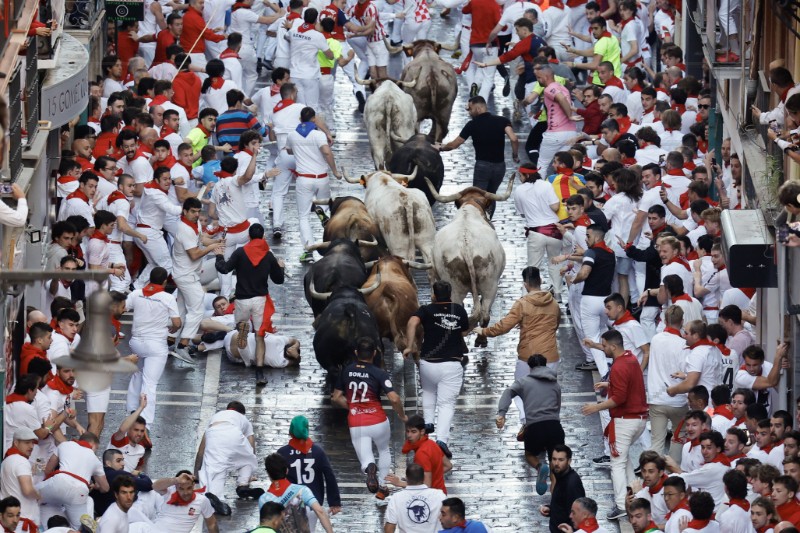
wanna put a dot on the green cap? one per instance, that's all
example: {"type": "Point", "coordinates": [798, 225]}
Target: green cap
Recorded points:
{"type": "Point", "coordinates": [299, 427]}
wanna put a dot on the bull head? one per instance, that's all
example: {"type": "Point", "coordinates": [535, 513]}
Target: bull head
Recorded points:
{"type": "Point", "coordinates": [439, 198]}
{"type": "Point", "coordinates": [406, 177]}
{"type": "Point", "coordinates": [457, 196]}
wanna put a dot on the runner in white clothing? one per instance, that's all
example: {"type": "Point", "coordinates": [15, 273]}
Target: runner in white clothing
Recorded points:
{"type": "Point", "coordinates": [285, 119]}
{"type": "Point", "coordinates": [416, 508]}
{"type": "Point", "coordinates": [305, 41]}
{"type": "Point", "coordinates": [243, 21]}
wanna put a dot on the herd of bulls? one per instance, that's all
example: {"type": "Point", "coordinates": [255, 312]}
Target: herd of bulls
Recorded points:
{"type": "Point", "coordinates": [363, 285]}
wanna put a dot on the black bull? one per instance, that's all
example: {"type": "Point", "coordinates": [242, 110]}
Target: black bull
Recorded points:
{"type": "Point", "coordinates": [419, 152]}
{"type": "Point", "coordinates": [340, 266]}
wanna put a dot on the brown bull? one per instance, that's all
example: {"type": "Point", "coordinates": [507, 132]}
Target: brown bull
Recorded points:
{"type": "Point", "coordinates": [436, 87]}
{"type": "Point", "coordinates": [395, 299]}
{"type": "Point", "coordinates": [350, 220]}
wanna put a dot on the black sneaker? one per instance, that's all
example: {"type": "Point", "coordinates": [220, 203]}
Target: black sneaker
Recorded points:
{"type": "Point", "coordinates": [362, 101]}
{"type": "Point", "coordinates": [507, 86]}
{"type": "Point", "coordinates": [372, 478]}
{"type": "Point", "coordinates": [267, 64]}
{"type": "Point", "coordinates": [616, 513]}
{"type": "Point", "coordinates": [637, 471]}
{"type": "Point", "coordinates": [473, 90]}
{"type": "Point", "coordinates": [277, 234]}
{"type": "Point", "coordinates": [603, 460]}
{"type": "Point", "coordinates": [261, 380]}
{"type": "Point", "coordinates": [249, 493]}
{"type": "Point", "coordinates": [221, 508]}
{"type": "Point", "coordinates": [429, 429]}
{"type": "Point", "coordinates": [445, 450]}
{"type": "Point", "coordinates": [586, 365]}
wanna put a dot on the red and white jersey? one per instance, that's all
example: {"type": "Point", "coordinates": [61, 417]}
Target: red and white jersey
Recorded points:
{"type": "Point", "coordinates": [133, 453]}
{"type": "Point", "coordinates": [265, 100]}
{"type": "Point", "coordinates": [360, 12]}
{"type": "Point", "coordinates": [154, 205]}
{"type": "Point", "coordinates": [228, 196]}
{"type": "Point", "coordinates": [155, 313]}
{"type": "Point", "coordinates": [78, 459]}
{"type": "Point", "coordinates": [416, 10]}
{"type": "Point", "coordinates": [139, 167]}
{"type": "Point", "coordinates": [181, 518]}
{"type": "Point", "coordinates": [362, 385]}
{"type": "Point", "coordinates": [13, 467]}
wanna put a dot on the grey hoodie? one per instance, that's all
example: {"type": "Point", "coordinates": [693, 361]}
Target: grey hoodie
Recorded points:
{"type": "Point", "coordinates": [540, 393]}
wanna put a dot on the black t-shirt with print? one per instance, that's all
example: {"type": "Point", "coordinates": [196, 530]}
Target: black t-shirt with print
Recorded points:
{"type": "Point", "coordinates": [442, 325]}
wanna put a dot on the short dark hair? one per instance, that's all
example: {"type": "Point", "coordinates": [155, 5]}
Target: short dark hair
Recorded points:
{"type": "Point", "coordinates": [270, 510]}
{"type": "Point", "coordinates": [715, 437]}
{"type": "Point", "coordinates": [415, 421]}
{"type": "Point", "coordinates": [456, 506]}
{"type": "Point", "coordinates": [740, 434]}
{"type": "Point", "coordinates": [236, 406]}
{"type": "Point", "coordinates": [229, 164]}
{"type": "Point", "coordinates": [701, 504]}
{"type": "Point", "coordinates": [700, 392]}
{"type": "Point", "coordinates": [415, 474]}
{"type": "Point", "coordinates": [721, 395]}
{"type": "Point", "coordinates": [234, 39]}
{"type": "Point", "coordinates": [278, 74]}
{"type": "Point", "coordinates": [122, 481]}
{"type": "Point", "coordinates": [39, 330]}
{"type": "Point", "coordinates": [307, 113]}
{"type": "Point", "coordinates": [674, 284]}
{"type": "Point", "coordinates": [365, 348]}
{"type": "Point", "coordinates": [7, 503]}
{"type": "Point", "coordinates": [615, 298]}
{"type": "Point", "coordinates": [256, 231]}
{"type": "Point", "coordinates": [310, 15]}
{"type": "Point", "coordinates": [233, 97]}
{"type": "Point", "coordinates": [441, 290]}
{"type": "Point", "coordinates": [276, 466]}
{"type": "Point", "coordinates": [588, 504]}
{"type": "Point", "coordinates": [479, 100]}
{"type": "Point", "coordinates": [614, 337]}
{"type": "Point", "coordinates": [531, 275]}
{"type": "Point", "coordinates": [102, 217]}
{"type": "Point", "coordinates": [753, 352]}
{"type": "Point", "coordinates": [788, 482]}
{"type": "Point", "coordinates": [639, 504]}
{"type": "Point", "coordinates": [756, 411]}
{"type": "Point", "coordinates": [731, 312]}
{"type": "Point", "coordinates": [735, 483]}
{"type": "Point", "coordinates": [652, 456]}
{"type": "Point", "coordinates": [562, 448]}
{"type": "Point", "coordinates": [26, 383]}
{"type": "Point", "coordinates": [748, 395]}
{"type": "Point", "coordinates": [159, 275]}
{"type": "Point", "coordinates": [784, 416]}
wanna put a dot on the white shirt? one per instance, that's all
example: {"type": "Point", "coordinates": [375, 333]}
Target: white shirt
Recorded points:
{"type": "Point", "coordinates": [734, 519]}
{"type": "Point", "coordinates": [668, 354]}
{"type": "Point", "coordinates": [182, 518]}
{"type": "Point", "coordinates": [233, 70]}
{"type": "Point", "coordinates": [708, 478]}
{"type": "Point", "coordinates": [249, 189]}
{"type": "Point", "coordinates": [721, 423]}
{"type": "Point", "coordinates": [691, 458]}
{"type": "Point", "coordinates": [514, 11]}
{"type": "Point", "coordinates": [649, 154]}
{"type": "Point", "coordinates": [633, 337]}
{"type": "Point", "coordinates": [153, 206]}
{"type": "Point", "coordinates": [61, 346]}
{"type": "Point", "coordinates": [232, 418]}
{"type": "Point", "coordinates": [217, 98]}
{"type": "Point", "coordinates": [265, 102]}
{"type": "Point", "coordinates": [228, 196]}
{"type": "Point", "coordinates": [154, 316]}
{"type": "Point", "coordinates": [712, 527]}
{"type": "Point", "coordinates": [112, 86]}
{"type": "Point", "coordinates": [307, 154]}
{"type": "Point", "coordinates": [78, 460]}
{"type": "Point", "coordinates": [620, 210]}
{"type": "Point", "coordinates": [76, 206]}
{"type": "Point", "coordinates": [120, 207]}
{"type": "Point", "coordinates": [286, 121]}
{"type": "Point", "coordinates": [163, 71]}
{"type": "Point", "coordinates": [533, 200]}
{"type": "Point", "coordinates": [658, 507]}
{"type": "Point", "coordinates": [679, 269]}
{"type": "Point", "coordinates": [664, 24]}
{"type": "Point", "coordinates": [282, 50]}
{"type": "Point", "coordinates": [114, 520]}
{"type": "Point", "coordinates": [619, 96]}
{"type": "Point", "coordinates": [415, 509]}
{"type": "Point", "coordinates": [556, 26]}
{"type": "Point", "coordinates": [707, 361]}
{"type": "Point", "coordinates": [186, 238]}
{"type": "Point", "coordinates": [132, 453]}
{"type": "Point", "coordinates": [709, 279]}
{"type": "Point", "coordinates": [97, 252]}
{"type": "Point", "coordinates": [305, 42]}
{"type": "Point", "coordinates": [670, 140]}
{"type": "Point", "coordinates": [214, 13]}
{"type": "Point", "coordinates": [744, 380]}
{"type": "Point", "coordinates": [776, 456]}
{"type": "Point", "coordinates": [139, 168]}
{"type": "Point", "coordinates": [12, 468]}
{"type": "Point", "coordinates": [242, 21]}
{"type": "Point", "coordinates": [18, 415]}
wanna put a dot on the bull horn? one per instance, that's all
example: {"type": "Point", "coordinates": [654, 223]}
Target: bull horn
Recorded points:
{"type": "Point", "coordinates": [449, 47]}
{"type": "Point", "coordinates": [348, 179]}
{"type": "Point", "coordinates": [407, 84]}
{"type": "Point", "coordinates": [442, 199]}
{"type": "Point", "coordinates": [392, 49]}
{"type": "Point", "coordinates": [362, 82]}
{"type": "Point", "coordinates": [369, 244]}
{"type": "Point", "coordinates": [504, 196]}
{"type": "Point", "coordinates": [321, 202]}
{"type": "Point", "coordinates": [317, 246]}
{"type": "Point", "coordinates": [368, 290]}
{"type": "Point", "coordinates": [416, 265]}
{"type": "Point", "coordinates": [318, 295]}
{"type": "Point", "coordinates": [409, 177]}
{"type": "Point", "coordinates": [369, 264]}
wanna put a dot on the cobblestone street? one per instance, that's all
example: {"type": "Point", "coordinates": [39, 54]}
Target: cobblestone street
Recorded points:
{"type": "Point", "coordinates": [489, 471]}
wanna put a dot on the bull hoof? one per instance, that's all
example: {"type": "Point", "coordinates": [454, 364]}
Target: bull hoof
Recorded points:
{"type": "Point", "coordinates": [481, 341]}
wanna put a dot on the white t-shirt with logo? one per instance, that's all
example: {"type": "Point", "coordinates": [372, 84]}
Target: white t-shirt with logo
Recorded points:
{"type": "Point", "coordinates": [416, 508]}
{"type": "Point", "coordinates": [305, 42]}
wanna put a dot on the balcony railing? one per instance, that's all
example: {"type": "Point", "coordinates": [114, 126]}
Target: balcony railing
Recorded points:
{"type": "Point", "coordinates": [83, 14]}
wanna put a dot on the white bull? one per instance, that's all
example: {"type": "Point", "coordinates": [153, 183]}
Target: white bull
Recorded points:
{"type": "Point", "coordinates": [390, 117]}
{"type": "Point", "coordinates": [403, 214]}
{"type": "Point", "coordinates": [468, 254]}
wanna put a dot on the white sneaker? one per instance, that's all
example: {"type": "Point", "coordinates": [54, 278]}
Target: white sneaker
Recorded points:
{"type": "Point", "coordinates": [179, 352]}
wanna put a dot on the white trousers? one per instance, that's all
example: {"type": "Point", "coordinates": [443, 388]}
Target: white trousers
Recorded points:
{"type": "Point", "coordinates": [541, 246]}
{"type": "Point", "coordinates": [363, 437]}
{"type": "Point", "coordinates": [648, 320]}
{"type": "Point", "coordinates": [350, 68]}
{"type": "Point", "coordinates": [147, 51]}
{"type": "Point", "coordinates": [190, 303]}
{"type": "Point", "coordinates": [441, 383]}
{"type": "Point", "coordinates": [308, 92]}
{"type": "Point", "coordinates": [249, 73]}
{"type": "Point", "coordinates": [227, 449]}
{"type": "Point", "coordinates": [199, 60]}
{"type": "Point", "coordinates": [552, 142]}
{"type": "Point", "coordinates": [326, 83]}
{"type": "Point", "coordinates": [359, 46]}
{"type": "Point", "coordinates": [483, 77]}
{"type": "Point", "coordinates": [153, 355]}
{"type": "Point", "coordinates": [280, 187]}
{"type": "Point", "coordinates": [232, 242]}
{"type": "Point", "coordinates": [728, 14]}
{"type": "Point", "coordinates": [63, 494]}
{"type": "Point", "coordinates": [306, 189]}
{"type": "Point", "coordinates": [574, 300]}
{"type": "Point", "coordinates": [627, 431]}
{"type": "Point", "coordinates": [595, 323]}
{"type": "Point", "coordinates": [97, 402]}
{"type": "Point", "coordinates": [157, 253]}
{"type": "Point", "coordinates": [117, 257]}
{"type": "Point", "coordinates": [411, 31]}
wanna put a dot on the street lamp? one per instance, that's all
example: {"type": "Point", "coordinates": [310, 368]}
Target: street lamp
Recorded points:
{"type": "Point", "coordinates": [95, 360]}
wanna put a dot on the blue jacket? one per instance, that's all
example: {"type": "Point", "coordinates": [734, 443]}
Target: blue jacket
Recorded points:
{"type": "Point", "coordinates": [471, 526]}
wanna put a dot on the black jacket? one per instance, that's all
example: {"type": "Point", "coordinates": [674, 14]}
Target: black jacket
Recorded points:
{"type": "Point", "coordinates": [652, 264]}
{"type": "Point", "coordinates": [569, 488]}
{"type": "Point", "coordinates": [251, 281]}
{"type": "Point", "coordinates": [103, 500]}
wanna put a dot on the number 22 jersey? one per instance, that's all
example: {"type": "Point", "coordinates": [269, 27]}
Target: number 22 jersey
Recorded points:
{"type": "Point", "coordinates": [363, 384]}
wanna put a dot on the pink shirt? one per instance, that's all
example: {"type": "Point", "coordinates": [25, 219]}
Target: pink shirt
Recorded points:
{"type": "Point", "coordinates": [557, 120]}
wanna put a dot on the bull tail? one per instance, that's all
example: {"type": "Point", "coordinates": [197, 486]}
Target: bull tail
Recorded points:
{"type": "Point", "coordinates": [476, 316]}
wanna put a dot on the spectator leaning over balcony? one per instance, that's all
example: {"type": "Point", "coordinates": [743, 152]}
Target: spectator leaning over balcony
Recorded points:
{"type": "Point", "coordinates": [782, 84]}
{"type": "Point", "coordinates": [14, 217]}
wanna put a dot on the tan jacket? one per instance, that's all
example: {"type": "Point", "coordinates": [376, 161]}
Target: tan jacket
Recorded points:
{"type": "Point", "coordinates": [538, 315]}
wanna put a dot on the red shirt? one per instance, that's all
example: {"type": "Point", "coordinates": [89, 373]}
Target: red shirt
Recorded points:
{"type": "Point", "coordinates": [430, 457]}
{"type": "Point", "coordinates": [521, 49]}
{"type": "Point", "coordinates": [790, 511]}
{"type": "Point", "coordinates": [626, 387]}
{"type": "Point", "coordinates": [164, 40]}
{"type": "Point", "coordinates": [126, 49]}
{"type": "Point", "coordinates": [592, 118]}
{"type": "Point", "coordinates": [193, 27]}
{"type": "Point", "coordinates": [485, 16]}
{"type": "Point", "coordinates": [105, 141]}
{"type": "Point", "coordinates": [187, 92]}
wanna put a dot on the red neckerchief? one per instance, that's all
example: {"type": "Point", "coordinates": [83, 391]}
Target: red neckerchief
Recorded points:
{"type": "Point", "coordinates": [84, 444]}
{"type": "Point", "coordinates": [168, 162]}
{"type": "Point", "coordinates": [239, 5]}
{"type": "Point", "coordinates": [553, 61]}
{"type": "Point", "coordinates": [202, 128]}
{"type": "Point", "coordinates": [293, 16]}
{"type": "Point", "coordinates": [79, 194]}
{"type": "Point", "coordinates": [66, 179]}
{"type": "Point", "coordinates": [14, 451]}
{"type": "Point", "coordinates": [117, 325]}
{"type": "Point", "coordinates": [166, 131]}
{"type": "Point", "coordinates": [673, 331]}
{"type": "Point", "coordinates": [228, 53]}
{"type": "Point", "coordinates": [636, 88]}
{"type": "Point", "coordinates": [583, 220]}
{"type": "Point", "coordinates": [360, 8]}
{"type": "Point", "coordinates": [14, 397]}
{"type": "Point", "coordinates": [659, 230]}
{"type": "Point", "coordinates": [683, 504]}
{"type": "Point", "coordinates": [681, 261]}
{"type": "Point", "coordinates": [615, 81]}
{"type": "Point", "coordinates": [768, 527]}
{"type": "Point", "coordinates": [701, 342]}
{"type": "Point", "coordinates": [680, 108]}
{"type": "Point", "coordinates": [222, 174]}
{"type": "Point", "coordinates": [676, 172]}
{"type": "Point", "coordinates": [784, 94]}
{"type": "Point", "coordinates": [140, 152]}
{"type": "Point", "coordinates": [698, 524]}
{"type": "Point", "coordinates": [691, 256]}
{"type": "Point", "coordinates": [749, 292]}
{"type": "Point", "coordinates": [648, 110]}
{"type": "Point", "coordinates": [176, 499]}
{"type": "Point", "coordinates": [304, 27]}
{"type": "Point", "coordinates": [623, 23]}
{"type": "Point", "coordinates": [626, 317]}
{"type": "Point", "coordinates": [216, 83]}
{"type": "Point", "coordinates": [274, 89]}
{"type": "Point", "coordinates": [565, 171]}
{"type": "Point", "coordinates": [408, 446]}
{"type": "Point", "coordinates": [655, 489]}
{"type": "Point", "coordinates": [589, 525]}
{"type": "Point", "coordinates": [629, 161]}
{"type": "Point", "coordinates": [744, 504]}
{"type": "Point", "coordinates": [58, 384]}
{"type": "Point", "coordinates": [301, 445]}
{"type": "Point", "coordinates": [724, 410]}
{"type": "Point", "coordinates": [57, 329]}
{"type": "Point", "coordinates": [772, 446]}
{"type": "Point", "coordinates": [99, 235]}
{"type": "Point", "coordinates": [721, 458]}
{"type": "Point", "coordinates": [602, 246]}
{"type": "Point", "coordinates": [154, 185]}
{"type": "Point", "coordinates": [151, 289]}
{"type": "Point", "coordinates": [616, 138]}
{"type": "Point", "coordinates": [681, 66]}
{"type": "Point", "coordinates": [279, 487]}
{"type": "Point", "coordinates": [605, 34]}
{"type": "Point", "coordinates": [116, 195]}
{"type": "Point", "coordinates": [624, 124]}
{"type": "Point", "coordinates": [286, 102]}
{"type": "Point", "coordinates": [724, 350]}
{"type": "Point", "coordinates": [93, 120]}
{"type": "Point", "coordinates": [790, 508]}
{"type": "Point", "coordinates": [694, 442]}
{"type": "Point", "coordinates": [256, 250]}
{"type": "Point", "coordinates": [192, 225]}
{"type": "Point", "coordinates": [158, 100]}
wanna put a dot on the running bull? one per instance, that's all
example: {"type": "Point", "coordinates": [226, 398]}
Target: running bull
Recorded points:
{"type": "Point", "coordinates": [468, 254]}
{"type": "Point", "coordinates": [340, 266]}
{"type": "Point", "coordinates": [419, 152]}
{"type": "Point", "coordinates": [350, 220]}
{"type": "Point", "coordinates": [390, 117]}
